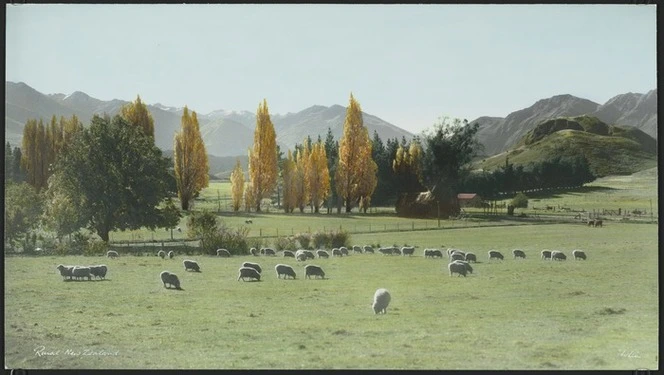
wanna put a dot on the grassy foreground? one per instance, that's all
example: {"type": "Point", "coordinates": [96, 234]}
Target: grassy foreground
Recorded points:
{"type": "Point", "coordinates": [513, 314]}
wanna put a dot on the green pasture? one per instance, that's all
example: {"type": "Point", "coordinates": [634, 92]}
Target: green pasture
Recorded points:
{"type": "Point", "coordinates": [601, 313]}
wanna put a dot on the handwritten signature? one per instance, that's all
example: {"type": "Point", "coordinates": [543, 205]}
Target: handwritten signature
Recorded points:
{"type": "Point", "coordinates": [629, 354]}
{"type": "Point", "coordinates": [41, 351]}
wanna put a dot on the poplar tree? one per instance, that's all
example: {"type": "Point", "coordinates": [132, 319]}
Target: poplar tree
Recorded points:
{"type": "Point", "coordinates": [237, 185]}
{"type": "Point", "coordinates": [301, 184]}
{"type": "Point", "coordinates": [190, 160]}
{"type": "Point", "coordinates": [137, 114]}
{"type": "Point", "coordinates": [354, 155]}
{"type": "Point", "coordinates": [263, 157]}
{"type": "Point", "coordinates": [288, 176]}
{"type": "Point", "coordinates": [319, 176]}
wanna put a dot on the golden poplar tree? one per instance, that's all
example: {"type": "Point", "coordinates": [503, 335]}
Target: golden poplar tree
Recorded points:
{"type": "Point", "coordinates": [248, 197]}
{"type": "Point", "coordinates": [137, 113]}
{"type": "Point", "coordinates": [263, 157]}
{"type": "Point", "coordinates": [29, 153]}
{"type": "Point", "coordinates": [301, 184]}
{"type": "Point", "coordinates": [237, 185]}
{"type": "Point", "coordinates": [318, 179]}
{"type": "Point", "coordinates": [288, 176]}
{"type": "Point", "coordinates": [190, 159]}
{"type": "Point", "coordinates": [367, 182]}
{"type": "Point", "coordinates": [69, 128]}
{"type": "Point", "coordinates": [354, 155]}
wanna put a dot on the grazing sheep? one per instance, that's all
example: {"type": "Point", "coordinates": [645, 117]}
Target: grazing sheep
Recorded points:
{"type": "Point", "coordinates": [99, 271]}
{"type": "Point", "coordinates": [396, 251]}
{"type": "Point", "coordinates": [427, 253]}
{"type": "Point", "coordinates": [591, 223]}
{"type": "Point", "coordinates": [262, 251]}
{"type": "Point", "coordinates": [322, 254]}
{"type": "Point", "coordinates": [579, 254]}
{"type": "Point", "coordinates": [284, 269]}
{"type": "Point", "coordinates": [469, 269]}
{"type": "Point", "coordinates": [450, 251]}
{"type": "Point", "coordinates": [495, 254]}
{"type": "Point", "coordinates": [248, 272]}
{"type": "Point", "coordinates": [381, 301]}
{"type": "Point", "coordinates": [191, 265]}
{"type": "Point", "coordinates": [309, 254]}
{"type": "Point", "coordinates": [253, 251]}
{"type": "Point", "coordinates": [170, 279]}
{"type": "Point", "coordinates": [288, 254]}
{"type": "Point", "coordinates": [112, 254]}
{"type": "Point", "coordinates": [470, 257]}
{"type": "Point", "coordinates": [385, 250]}
{"type": "Point", "coordinates": [344, 251]}
{"type": "Point", "coordinates": [558, 255]}
{"type": "Point", "coordinates": [435, 253]}
{"type": "Point", "coordinates": [161, 254]}
{"type": "Point", "coordinates": [336, 252]}
{"type": "Point", "coordinates": [546, 254]}
{"type": "Point", "coordinates": [65, 271]}
{"type": "Point", "coordinates": [223, 253]}
{"type": "Point", "coordinates": [368, 249]}
{"type": "Point", "coordinates": [171, 254]}
{"type": "Point", "coordinates": [301, 257]}
{"type": "Point", "coordinates": [407, 250]}
{"type": "Point", "coordinates": [316, 271]}
{"type": "Point", "coordinates": [598, 223]}
{"type": "Point", "coordinates": [255, 266]}
{"type": "Point", "coordinates": [81, 272]}
{"type": "Point", "coordinates": [248, 221]}
{"type": "Point", "coordinates": [357, 249]}
{"type": "Point", "coordinates": [458, 268]}
{"type": "Point", "coordinates": [518, 254]}
{"type": "Point", "coordinates": [457, 256]}
{"type": "Point", "coordinates": [269, 252]}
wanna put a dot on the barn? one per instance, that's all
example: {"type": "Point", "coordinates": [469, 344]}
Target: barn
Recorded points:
{"type": "Point", "coordinates": [469, 200]}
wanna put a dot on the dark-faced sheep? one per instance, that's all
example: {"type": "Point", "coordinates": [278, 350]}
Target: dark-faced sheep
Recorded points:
{"type": "Point", "coordinates": [517, 253]}
{"type": "Point", "coordinates": [336, 252]}
{"type": "Point", "coordinates": [65, 271]}
{"type": "Point", "coordinates": [546, 254]}
{"type": "Point", "coordinates": [223, 253]}
{"type": "Point", "coordinates": [191, 265]}
{"type": "Point", "coordinates": [458, 268]}
{"type": "Point", "coordinates": [301, 257]}
{"type": "Point", "coordinates": [288, 254]}
{"type": "Point", "coordinates": [80, 272]}
{"type": "Point", "coordinates": [161, 254]}
{"type": "Point", "coordinates": [322, 254]}
{"type": "Point", "coordinates": [171, 254]}
{"type": "Point", "coordinates": [368, 249]}
{"type": "Point", "coordinates": [112, 254]}
{"type": "Point", "coordinates": [310, 254]}
{"type": "Point", "coordinates": [170, 279]}
{"type": "Point", "coordinates": [99, 271]}
{"type": "Point", "coordinates": [315, 271]}
{"type": "Point", "coordinates": [255, 266]}
{"type": "Point", "coordinates": [495, 254]}
{"type": "Point", "coordinates": [284, 269]}
{"type": "Point", "coordinates": [248, 272]}
{"type": "Point", "coordinates": [357, 249]}
{"type": "Point", "coordinates": [470, 257]}
{"type": "Point", "coordinates": [268, 252]}
{"type": "Point", "coordinates": [579, 254]}
{"type": "Point", "coordinates": [407, 250]}
{"type": "Point", "coordinates": [344, 251]}
{"type": "Point", "coordinates": [253, 251]}
{"type": "Point", "coordinates": [457, 256]}
{"type": "Point", "coordinates": [558, 255]}
{"type": "Point", "coordinates": [381, 301]}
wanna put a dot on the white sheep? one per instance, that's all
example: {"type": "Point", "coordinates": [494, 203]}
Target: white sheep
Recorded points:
{"type": "Point", "coordinates": [191, 265]}
{"type": "Point", "coordinates": [357, 249]}
{"type": "Point", "coordinates": [336, 252]}
{"type": "Point", "coordinates": [381, 301]}
{"type": "Point", "coordinates": [223, 253]}
{"type": "Point", "coordinates": [161, 254]}
{"type": "Point", "coordinates": [311, 270]}
{"type": "Point", "coordinates": [322, 254]}
{"type": "Point", "coordinates": [255, 266]}
{"type": "Point", "coordinates": [457, 256]}
{"type": "Point", "coordinates": [99, 271]}
{"type": "Point", "coordinates": [579, 254]}
{"type": "Point", "coordinates": [171, 254]}
{"type": "Point", "coordinates": [459, 268]}
{"type": "Point", "coordinates": [558, 255]}
{"type": "Point", "coordinates": [253, 251]}
{"type": "Point", "coordinates": [470, 257]}
{"type": "Point", "coordinates": [284, 269]}
{"type": "Point", "coordinates": [469, 269]}
{"type": "Point", "coordinates": [546, 254]}
{"type": "Point", "coordinates": [112, 254]}
{"type": "Point", "coordinates": [310, 254]}
{"type": "Point", "coordinates": [495, 254]}
{"type": "Point", "coordinates": [248, 272]}
{"type": "Point", "coordinates": [170, 279]}
{"type": "Point", "coordinates": [344, 251]}
{"type": "Point", "coordinates": [386, 250]}
{"type": "Point", "coordinates": [81, 272]}
{"type": "Point", "coordinates": [407, 250]}
{"type": "Point", "coordinates": [368, 249]}
{"type": "Point", "coordinates": [518, 253]}
{"type": "Point", "coordinates": [65, 271]}
{"type": "Point", "coordinates": [301, 257]}
{"type": "Point", "coordinates": [288, 254]}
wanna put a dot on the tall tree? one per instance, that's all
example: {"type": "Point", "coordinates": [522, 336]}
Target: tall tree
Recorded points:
{"type": "Point", "coordinates": [332, 153]}
{"type": "Point", "coordinates": [367, 181]}
{"type": "Point", "coordinates": [237, 185]}
{"type": "Point", "coordinates": [319, 176]}
{"type": "Point", "coordinates": [354, 152]}
{"type": "Point", "coordinates": [115, 177]}
{"type": "Point", "coordinates": [190, 160]}
{"type": "Point", "coordinates": [263, 157]}
{"type": "Point", "coordinates": [23, 207]}
{"type": "Point", "coordinates": [9, 176]}
{"type": "Point", "coordinates": [35, 152]}
{"type": "Point", "coordinates": [18, 173]}
{"type": "Point", "coordinates": [289, 176]}
{"type": "Point", "coordinates": [407, 167]}
{"type": "Point", "coordinates": [137, 114]}
{"type": "Point", "coordinates": [302, 193]}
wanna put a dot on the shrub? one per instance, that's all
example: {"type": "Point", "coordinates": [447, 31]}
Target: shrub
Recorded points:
{"type": "Point", "coordinates": [331, 239]}
{"type": "Point", "coordinates": [304, 239]}
{"type": "Point", "coordinates": [321, 240]}
{"type": "Point", "coordinates": [234, 240]}
{"type": "Point", "coordinates": [257, 242]}
{"type": "Point", "coordinates": [285, 243]}
{"type": "Point", "coordinates": [520, 201]}
{"type": "Point", "coordinates": [95, 247]}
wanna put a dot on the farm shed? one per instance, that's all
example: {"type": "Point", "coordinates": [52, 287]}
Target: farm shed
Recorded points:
{"type": "Point", "coordinates": [469, 200]}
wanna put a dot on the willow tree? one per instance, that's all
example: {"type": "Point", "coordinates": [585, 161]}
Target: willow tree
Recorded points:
{"type": "Point", "coordinates": [318, 179]}
{"type": "Point", "coordinates": [407, 167]}
{"type": "Point", "coordinates": [190, 159]}
{"type": "Point", "coordinates": [354, 155]}
{"type": "Point", "coordinates": [288, 176]}
{"type": "Point", "coordinates": [237, 185]}
{"type": "Point", "coordinates": [263, 157]}
{"type": "Point", "coordinates": [137, 114]}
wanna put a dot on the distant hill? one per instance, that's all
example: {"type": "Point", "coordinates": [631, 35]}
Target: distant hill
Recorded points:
{"type": "Point", "coordinates": [221, 166]}
{"type": "Point", "coordinates": [498, 134]}
{"type": "Point", "coordinates": [609, 149]}
{"type": "Point", "coordinates": [225, 132]}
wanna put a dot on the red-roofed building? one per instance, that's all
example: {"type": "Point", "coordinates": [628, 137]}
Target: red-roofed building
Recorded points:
{"type": "Point", "coordinates": [469, 200]}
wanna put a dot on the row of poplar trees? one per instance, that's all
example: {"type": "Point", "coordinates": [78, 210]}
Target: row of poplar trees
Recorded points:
{"type": "Point", "coordinates": [305, 174]}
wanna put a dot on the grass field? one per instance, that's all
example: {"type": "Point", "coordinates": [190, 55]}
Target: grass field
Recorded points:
{"type": "Point", "coordinates": [513, 314]}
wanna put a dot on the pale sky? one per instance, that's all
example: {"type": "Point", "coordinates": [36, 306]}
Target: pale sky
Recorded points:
{"type": "Point", "coordinates": [407, 64]}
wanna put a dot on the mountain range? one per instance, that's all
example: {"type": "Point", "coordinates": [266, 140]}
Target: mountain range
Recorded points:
{"type": "Point", "coordinates": [230, 133]}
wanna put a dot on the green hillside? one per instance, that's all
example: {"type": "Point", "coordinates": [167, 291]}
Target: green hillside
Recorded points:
{"type": "Point", "coordinates": [609, 149]}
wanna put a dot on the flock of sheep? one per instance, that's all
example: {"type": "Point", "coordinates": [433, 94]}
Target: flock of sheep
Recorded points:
{"type": "Point", "coordinates": [459, 264]}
